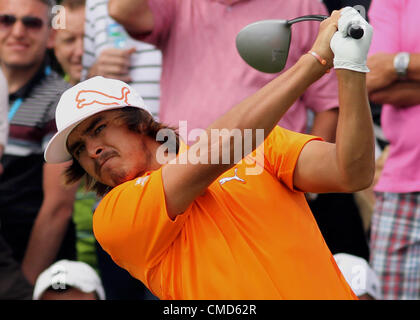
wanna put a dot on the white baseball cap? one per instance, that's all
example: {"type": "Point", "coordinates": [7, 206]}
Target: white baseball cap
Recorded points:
{"type": "Point", "coordinates": [75, 274]}
{"type": "Point", "coordinates": [83, 100]}
{"type": "Point", "coordinates": [359, 275]}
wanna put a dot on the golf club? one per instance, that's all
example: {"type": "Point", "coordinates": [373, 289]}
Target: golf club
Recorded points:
{"type": "Point", "coordinates": [265, 44]}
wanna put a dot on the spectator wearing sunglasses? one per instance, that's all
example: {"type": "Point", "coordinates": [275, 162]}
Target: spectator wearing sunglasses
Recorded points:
{"type": "Point", "coordinates": [35, 208]}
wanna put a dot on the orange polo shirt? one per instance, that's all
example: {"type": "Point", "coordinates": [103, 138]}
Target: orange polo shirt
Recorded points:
{"type": "Point", "coordinates": [247, 238]}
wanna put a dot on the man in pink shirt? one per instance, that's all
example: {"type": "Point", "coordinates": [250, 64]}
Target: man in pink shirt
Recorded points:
{"type": "Point", "coordinates": [394, 81]}
{"type": "Point", "coordinates": [203, 75]}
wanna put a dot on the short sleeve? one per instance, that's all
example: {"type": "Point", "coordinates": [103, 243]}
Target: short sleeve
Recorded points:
{"type": "Point", "coordinates": [131, 223]}
{"type": "Point", "coordinates": [282, 148]}
{"type": "Point", "coordinates": [163, 15]}
{"type": "Point", "coordinates": [384, 16]}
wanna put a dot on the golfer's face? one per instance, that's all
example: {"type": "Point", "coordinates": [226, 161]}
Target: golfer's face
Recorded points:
{"type": "Point", "coordinates": [107, 150]}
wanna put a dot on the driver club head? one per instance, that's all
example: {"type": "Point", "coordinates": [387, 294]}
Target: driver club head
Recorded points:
{"type": "Point", "coordinates": [264, 45]}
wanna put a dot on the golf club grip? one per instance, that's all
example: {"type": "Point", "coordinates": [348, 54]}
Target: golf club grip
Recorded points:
{"type": "Point", "coordinates": [355, 31]}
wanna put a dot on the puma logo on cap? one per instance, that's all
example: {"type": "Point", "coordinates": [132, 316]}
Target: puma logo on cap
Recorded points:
{"type": "Point", "coordinates": [88, 97]}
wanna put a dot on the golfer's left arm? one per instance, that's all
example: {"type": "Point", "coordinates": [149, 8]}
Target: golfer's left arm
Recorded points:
{"type": "Point", "coordinates": [51, 223]}
{"type": "Point", "coordinates": [348, 165]}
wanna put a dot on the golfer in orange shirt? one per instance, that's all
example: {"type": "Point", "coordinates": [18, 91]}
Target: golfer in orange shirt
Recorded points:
{"type": "Point", "coordinates": [191, 225]}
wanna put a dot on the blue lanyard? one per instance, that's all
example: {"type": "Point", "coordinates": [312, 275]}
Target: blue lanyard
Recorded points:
{"type": "Point", "coordinates": [47, 70]}
{"type": "Point", "coordinates": [16, 105]}
{"type": "Point", "coordinates": [14, 109]}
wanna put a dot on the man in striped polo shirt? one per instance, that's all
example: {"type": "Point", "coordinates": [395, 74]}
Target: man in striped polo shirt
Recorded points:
{"type": "Point", "coordinates": [35, 208]}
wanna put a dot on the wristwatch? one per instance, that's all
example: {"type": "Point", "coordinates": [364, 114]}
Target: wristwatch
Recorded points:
{"type": "Point", "coordinates": [401, 62]}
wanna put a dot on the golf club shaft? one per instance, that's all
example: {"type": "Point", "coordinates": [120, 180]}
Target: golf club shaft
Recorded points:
{"type": "Point", "coordinates": [355, 31]}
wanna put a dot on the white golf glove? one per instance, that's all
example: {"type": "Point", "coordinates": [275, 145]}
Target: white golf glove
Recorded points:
{"type": "Point", "coordinates": [351, 53]}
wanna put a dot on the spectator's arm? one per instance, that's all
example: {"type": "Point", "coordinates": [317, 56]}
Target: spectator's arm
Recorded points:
{"type": "Point", "coordinates": [382, 72]}
{"type": "Point", "coordinates": [51, 223]}
{"type": "Point", "coordinates": [413, 71]}
{"type": "Point", "coordinates": [134, 15]}
{"type": "Point", "coordinates": [399, 94]}
{"type": "Point", "coordinates": [325, 124]}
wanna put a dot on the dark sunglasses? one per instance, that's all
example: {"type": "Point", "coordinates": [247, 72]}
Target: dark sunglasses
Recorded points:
{"type": "Point", "coordinates": [8, 20]}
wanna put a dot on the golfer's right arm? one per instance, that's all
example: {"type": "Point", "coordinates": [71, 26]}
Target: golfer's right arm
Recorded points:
{"type": "Point", "coordinates": [262, 110]}
{"type": "Point", "coordinates": [134, 15]}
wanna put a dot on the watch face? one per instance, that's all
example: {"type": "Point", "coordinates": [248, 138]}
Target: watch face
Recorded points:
{"type": "Point", "coordinates": [401, 63]}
